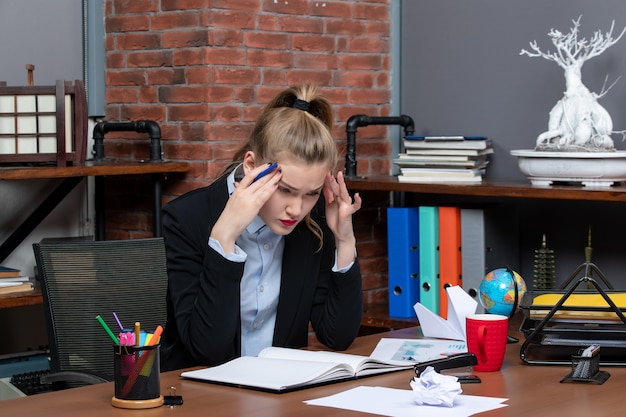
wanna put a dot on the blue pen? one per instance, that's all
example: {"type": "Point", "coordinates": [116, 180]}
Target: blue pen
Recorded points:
{"type": "Point", "coordinates": [266, 171]}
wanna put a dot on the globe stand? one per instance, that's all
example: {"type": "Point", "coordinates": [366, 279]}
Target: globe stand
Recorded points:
{"type": "Point", "coordinates": [511, 339]}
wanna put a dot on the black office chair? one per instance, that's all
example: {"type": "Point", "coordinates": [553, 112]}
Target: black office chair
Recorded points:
{"type": "Point", "coordinates": [83, 279]}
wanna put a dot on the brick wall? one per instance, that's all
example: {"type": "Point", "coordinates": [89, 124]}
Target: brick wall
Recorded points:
{"type": "Point", "coordinates": [203, 69]}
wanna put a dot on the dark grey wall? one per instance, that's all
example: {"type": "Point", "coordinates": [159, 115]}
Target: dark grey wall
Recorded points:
{"type": "Point", "coordinates": [461, 71]}
{"type": "Point", "coordinates": [47, 34]}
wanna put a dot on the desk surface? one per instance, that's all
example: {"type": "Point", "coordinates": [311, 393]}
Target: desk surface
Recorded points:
{"type": "Point", "coordinates": [532, 391]}
{"type": "Point", "coordinates": [92, 169]}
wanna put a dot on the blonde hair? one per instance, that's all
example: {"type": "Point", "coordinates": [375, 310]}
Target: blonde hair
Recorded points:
{"type": "Point", "coordinates": [298, 123]}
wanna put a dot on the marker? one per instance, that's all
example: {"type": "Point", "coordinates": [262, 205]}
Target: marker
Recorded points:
{"type": "Point", "coordinates": [107, 329]}
{"type": "Point", "coordinates": [266, 171]}
{"type": "Point", "coordinates": [117, 320]}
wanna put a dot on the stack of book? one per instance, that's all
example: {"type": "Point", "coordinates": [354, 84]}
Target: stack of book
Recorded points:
{"type": "Point", "coordinates": [12, 281]}
{"type": "Point", "coordinates": [444, 158]}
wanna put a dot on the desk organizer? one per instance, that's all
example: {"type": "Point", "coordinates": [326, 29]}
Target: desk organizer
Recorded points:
{"type": "Point", "coordinates": [587, 369]}
{"type": "Point", "coordinates": [43, 124]}
{"type": "Point", "coordinates": [567, 320]}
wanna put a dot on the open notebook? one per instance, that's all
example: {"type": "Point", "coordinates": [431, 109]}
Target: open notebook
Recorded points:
{"type": "Point", "coordinates": [282, 369]}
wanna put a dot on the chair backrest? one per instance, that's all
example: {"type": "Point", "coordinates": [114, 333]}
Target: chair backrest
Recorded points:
{"type": "Point", "coordinates": [83, 279]}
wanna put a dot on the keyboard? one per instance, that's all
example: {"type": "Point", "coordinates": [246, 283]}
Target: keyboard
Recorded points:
{"type": "Point", "coordinates": [29, 383]}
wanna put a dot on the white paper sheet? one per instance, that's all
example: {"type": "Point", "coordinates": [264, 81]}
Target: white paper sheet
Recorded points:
{"type": "Point", "coordinates": [460, 305]}
{"type": "Point", "coordinates": [400, 403]}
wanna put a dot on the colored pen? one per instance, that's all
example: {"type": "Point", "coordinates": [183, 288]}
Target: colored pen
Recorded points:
{"type": "Point", "coordinates": [117, 320]}
{"type": "Point", "coordinates": [137, 333]}
{"type": "Point", "coordinates": [107, 329]}
{"type": "Point", "coordinates": [266, 171]}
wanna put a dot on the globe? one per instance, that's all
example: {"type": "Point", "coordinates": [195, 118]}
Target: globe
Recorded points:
{"type": "Point", "coordinates": [497, 291]}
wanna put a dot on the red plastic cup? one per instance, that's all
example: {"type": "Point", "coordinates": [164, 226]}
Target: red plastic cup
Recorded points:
{"type": "Point", "coordinates": [486, 336]}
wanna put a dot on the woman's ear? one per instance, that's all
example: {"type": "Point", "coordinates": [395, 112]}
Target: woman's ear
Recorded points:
{"type": "Point", "coordinates": [249, 162]}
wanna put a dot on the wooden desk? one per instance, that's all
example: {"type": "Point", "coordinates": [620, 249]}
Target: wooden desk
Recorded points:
{"type": "Point", "coordinates": [532, 391]}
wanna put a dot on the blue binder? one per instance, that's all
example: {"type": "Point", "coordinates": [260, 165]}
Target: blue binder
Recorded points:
{"type": "Point", "coordinates": [403, 260]}
{"type": "Point", "coordinates": [429, 257]}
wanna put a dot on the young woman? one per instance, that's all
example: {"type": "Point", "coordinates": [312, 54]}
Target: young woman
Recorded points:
{"type": "Point", "coordinates": [268, 248]}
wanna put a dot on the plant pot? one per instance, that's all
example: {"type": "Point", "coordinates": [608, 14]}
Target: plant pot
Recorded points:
{"type": "Point", "coordinates": [597, 169]}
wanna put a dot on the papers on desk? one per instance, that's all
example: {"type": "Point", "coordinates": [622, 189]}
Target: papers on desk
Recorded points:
{"type": "Point", "coordinates": [460, 305]}
{"type": "Point", "coordinates": [400, 403]}
{"type": "Point", "coordinates": [403, 351]}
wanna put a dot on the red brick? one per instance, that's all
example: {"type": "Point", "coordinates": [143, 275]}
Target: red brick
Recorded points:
{"type": "Point", "coordinates": [138, 41]}
{"type": "Point", "coordinates": [237, 76]}
{"type": "Point", "coordinates": [199, 75]}
{"type": "Point", "coordinates": [189, 113]}
{"type": "Point", "coordinates": [173, 20]}
{"type": "Point", "coordinates": [224, 56]}
{"type": "Point", "coordinates": [188, 56]}
{"type": "Point", "coordinates": [165, 76]}
{"type": "Point", "coordinates": [331, 8]}
{"type": "Point", "coordinates": [265, 58]}
{"type": "Point", "coordinates": [226, 37]}
{"type": "Point", "coordinates": [131, 77]}
{"type": "Point", "coordinates": [127, 23]}
{"type": "Point", "coordinates": [368, 45]}
{"type": "Point", "coordinates": [148, 95]}
{"type": "Point", "coordinates": [371, 11]}
{"type": "Point", "coordinates": [150, 59]}
{"type": "Point", "coordinates": [266, 40]}
{"type": "Point", "coordinates": [156, 113]}
{"type": "Point", "coordinates": [300, 24]}
{"type": "Point", "coordinates": [185, 4]}
{"type": "Point", "coordinates": [370, 62]}
{"type": "Point", "coordinates": [180, 94]}
{"type": "Point", "coordinates": [185, 39]}
{"type": "Point", "coordinates": [297, 7]}
{"type": "Point", "coordinates": [121, 95]}
{"type": "Point", "coordinates": [313, 43]}
{"type": "Point", "coordinates": [229, 19]}
{"type": "Point", "coordinates": [226, 113]}
{"type": "Point", "coordinates": [313, 60]}
{"type": "Point", "coordinates": [249, 5]}
{"type": "Point", "coordinates": [135, 6]}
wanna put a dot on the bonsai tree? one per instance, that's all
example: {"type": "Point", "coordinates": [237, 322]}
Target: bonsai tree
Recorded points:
{"type": "Point", "coordinates": [577, 123]}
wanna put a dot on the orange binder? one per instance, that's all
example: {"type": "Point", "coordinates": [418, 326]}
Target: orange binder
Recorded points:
{"type": "Point", "coordinates": [449, 254]}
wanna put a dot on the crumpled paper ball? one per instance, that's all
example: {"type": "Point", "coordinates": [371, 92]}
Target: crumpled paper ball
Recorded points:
{"type": "Point", "coordinates": [432, 388]}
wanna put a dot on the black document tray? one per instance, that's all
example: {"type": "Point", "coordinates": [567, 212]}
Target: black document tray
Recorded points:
{"type": "Point", "coordinates": [556, 332]}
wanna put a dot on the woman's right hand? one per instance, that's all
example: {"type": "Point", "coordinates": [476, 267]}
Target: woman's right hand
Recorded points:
{"type": "Point", "coordinates": [244, 205]}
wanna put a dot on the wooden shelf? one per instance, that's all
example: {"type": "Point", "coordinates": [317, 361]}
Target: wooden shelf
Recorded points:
{"type": "Point", "coordinates": [104, 167]}
{"type": "Point", "coordinates": [492, 188]}
{"type": "Point", "coordinates": [25, 298]}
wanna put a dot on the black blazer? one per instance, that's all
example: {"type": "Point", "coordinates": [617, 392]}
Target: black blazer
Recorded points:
{"type": "Point", "coordinates": [203, 319]}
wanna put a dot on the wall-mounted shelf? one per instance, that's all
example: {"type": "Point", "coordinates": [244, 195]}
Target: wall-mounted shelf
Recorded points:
{"type": "Point", "coordinates": [492, 188]}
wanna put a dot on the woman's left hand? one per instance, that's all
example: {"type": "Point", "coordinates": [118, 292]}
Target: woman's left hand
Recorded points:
{"type": "Point", "coordinates": [339, 210]}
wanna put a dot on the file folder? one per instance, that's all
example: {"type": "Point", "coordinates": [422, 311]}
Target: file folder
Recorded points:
{"type": "Point", "coordinates": [403, 260]}
{"type": "Point", "coordinates": [429, 257]}
{"type": "Point", "coordinates": [489, 240]}
{"type": "Point", "coordinates": [449, 254]}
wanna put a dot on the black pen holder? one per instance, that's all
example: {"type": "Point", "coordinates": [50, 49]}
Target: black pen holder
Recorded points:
{"type": "Point", "coordinates": [137, 377]}
{"type": "Point", "coordinates": [587, 369]}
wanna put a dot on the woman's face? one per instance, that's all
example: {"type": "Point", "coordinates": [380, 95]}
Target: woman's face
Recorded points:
{"type": "Point", "coordinates": [298, 191]}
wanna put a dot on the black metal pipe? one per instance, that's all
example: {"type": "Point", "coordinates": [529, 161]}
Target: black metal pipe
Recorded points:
{"type": "Point", "coordinates": [150, 127]}
{"type": "Point", "coordinates": [358, 120]}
